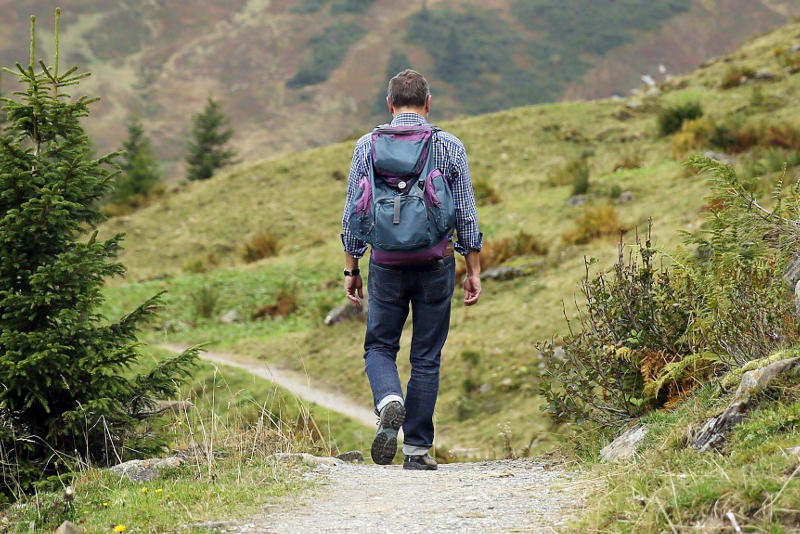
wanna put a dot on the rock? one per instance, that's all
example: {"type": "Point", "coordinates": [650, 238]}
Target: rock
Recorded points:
{"type": "Point", "coordinates": [635, 105]}
{"type": "Point", "coordinates": [795, 48]}
{"type": "Point", "coordinates": [577, 200]}
{"type": "Point", "coordinates": [173, 326]}
{"type": "Point", "coordinates": [720, 157]}
{"type": "Point", "coordinates": [626, 196]}
{"type": "Point", "coordinates": [756, 379]}
{"type": "Point", "coordinates": [485, 388]}
{"type": "Point", "coordinates": [792, 272]}
{"type": "Point", "coordinates": [144, 470]}
{"type": "Point", "coordinates": [653, 91]}
{"type": "Point", "coordinates": [624, 447]}
{"type": "Point", "coordinates": [622, 115]}
{"type": "Point", "coordinates": [502, 273]}
{"type": "Point", "coordinates": [763, 75]}
{"type": "Point", "coordinates": [230, 317]}
{"type": "Point", "coordinates": [68, 527]}
{"type": "Point", "coordinates": [345, 312]}
{"type": "Point", "coordinates": [307, 458]}
{"type": "Point", "coordinates": [797, 298]}
{"type": "Point", "coordinates": [714, 431]}
{"type": "Point", "coordinates": [352, 457]}
{"type": "Point", "coordinates": [792, 451]}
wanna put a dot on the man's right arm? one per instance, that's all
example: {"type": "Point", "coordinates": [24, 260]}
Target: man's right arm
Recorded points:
{"type": "Point", "coordinates": [354, 248]}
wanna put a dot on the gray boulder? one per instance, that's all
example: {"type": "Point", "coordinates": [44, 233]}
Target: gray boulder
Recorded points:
{"type": "Point", "coordinates": [502, 274]}
{"type": "Point", "coordinates": [230, 317]}
{"type": "Point", "coordinates": [346, 312]}
{"type": "Point", "coordinates": [624, 447]}
{"type": "Point", "coordinates": [720, 157]}
{"type": "Point", "coordinates": [714, 431]}
{"type": "Point", "coordinates": [68, 527]}
{"type": "Point", "coordinates": [577, 200]}
{"type": "Point", "coordinates": [356, 457]}
{"type": "Point", "coordinates": [144, 470]}
{"type": "Point", "coordinates": [304, 457]}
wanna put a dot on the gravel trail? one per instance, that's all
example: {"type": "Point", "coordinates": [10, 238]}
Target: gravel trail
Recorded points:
{"type": "Point", "coordinates": [497, 496]}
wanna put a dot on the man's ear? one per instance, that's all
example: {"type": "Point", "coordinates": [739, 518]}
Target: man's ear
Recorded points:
{"type": "Point", "coordinates": [389, 104]}
{"type": "Point", "coordinates": [428, 104]}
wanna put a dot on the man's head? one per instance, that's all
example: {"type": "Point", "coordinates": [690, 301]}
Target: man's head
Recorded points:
{"type": "Point", "coordinates": [409, 92]}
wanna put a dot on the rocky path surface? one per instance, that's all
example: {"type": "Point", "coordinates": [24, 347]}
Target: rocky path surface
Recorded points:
{"type": "Point", "coordinates": [300, 385]}
{"type": "Point", "coordinates": [498, 496]}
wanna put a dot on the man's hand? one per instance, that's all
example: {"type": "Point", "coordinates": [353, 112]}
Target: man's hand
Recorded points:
{"type": "Point", "coordinates": [472, 289]}
{"type": "Point", "coordinates": [354, 289]}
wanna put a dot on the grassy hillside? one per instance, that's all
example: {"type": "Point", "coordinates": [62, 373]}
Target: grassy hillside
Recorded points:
{"type": "Point", "coordinates": [296, 74]}
{"type": "Point", "coordinates": [489, 395]}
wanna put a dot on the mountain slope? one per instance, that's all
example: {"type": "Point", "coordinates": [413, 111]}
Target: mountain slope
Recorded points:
{"type": "Point", "coordinates": [309, 72]}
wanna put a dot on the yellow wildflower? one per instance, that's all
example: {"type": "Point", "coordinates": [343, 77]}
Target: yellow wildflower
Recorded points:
{"type": "Point", "coordinates": [119, 528]}
{"type": "Point", "coordinates": [159, 490]}
{"type": "Point", "coordinates": [144, 490]}
{"type": "Point", "coordinates": [105, 505]}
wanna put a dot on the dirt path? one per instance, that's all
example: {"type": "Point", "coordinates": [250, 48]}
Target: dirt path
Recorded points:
{"type": "Point", "coordinates": [499, 496]}
{"type": "Point", "coordinates": [300, 385]}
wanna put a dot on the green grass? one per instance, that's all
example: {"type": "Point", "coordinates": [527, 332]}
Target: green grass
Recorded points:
{"type": "Point", "coordinates": [670, 486]}
{"type": "Point", "coordinates": [243, 420]}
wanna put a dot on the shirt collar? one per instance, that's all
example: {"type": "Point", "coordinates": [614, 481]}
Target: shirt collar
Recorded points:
{"type": "Point", "coordinates": [408, 119]}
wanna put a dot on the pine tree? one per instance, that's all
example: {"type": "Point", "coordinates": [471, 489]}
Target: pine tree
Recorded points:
{"type": "Point", "coordinates": [139, 166]}
{"type": "Point", "coordinates": [66, 389]}
{"type": "Point", "coordinates": [211, 131]}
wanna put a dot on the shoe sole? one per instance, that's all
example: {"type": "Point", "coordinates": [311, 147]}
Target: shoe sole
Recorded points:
{"type": "Point", "coordinates": [384, 446]}
{"type": "Point", "coordinates": [420, 467]}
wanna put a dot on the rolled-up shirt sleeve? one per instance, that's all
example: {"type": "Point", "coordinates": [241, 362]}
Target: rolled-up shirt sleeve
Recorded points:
{"type": "Point", "coordinates": [358, 168]}
{"type": "Point", "coordinates": [470, 237]}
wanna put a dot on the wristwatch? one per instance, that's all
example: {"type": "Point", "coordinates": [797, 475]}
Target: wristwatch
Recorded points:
{"type": "Point", "coordinates": [354, 272]}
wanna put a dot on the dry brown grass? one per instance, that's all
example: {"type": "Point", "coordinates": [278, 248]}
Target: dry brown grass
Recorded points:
{"type": "Point", "coordinates": [594, 222]}
{"type": "Point", "coordinates": [263, 245]}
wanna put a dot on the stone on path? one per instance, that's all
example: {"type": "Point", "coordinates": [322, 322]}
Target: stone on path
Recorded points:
{"type": "Point", "coordinates": [352, 457]}
{"type": "Point", "coordinates": [68, 527]}
{"type": "Point", "coordinates": [624, 447]}
{"type": "Point", "coordinates": [306, 458]}
{"type": "Point", "coordinates": [144, 470]}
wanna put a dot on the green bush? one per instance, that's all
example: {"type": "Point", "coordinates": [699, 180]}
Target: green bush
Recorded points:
{"type": "Point", "coordinates": [574, 171]}
{"type": "Point", "coordinates": [671, 119]}
{"type": "Point", "coordinates": [649, 335]}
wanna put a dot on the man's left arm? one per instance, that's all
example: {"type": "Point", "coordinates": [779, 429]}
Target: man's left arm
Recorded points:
{"type": "Point", "coordinates": [470, 238]}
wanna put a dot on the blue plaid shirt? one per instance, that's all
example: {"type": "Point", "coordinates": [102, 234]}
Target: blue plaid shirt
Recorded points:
{"type": "Point", "coordinates": [451, 158]}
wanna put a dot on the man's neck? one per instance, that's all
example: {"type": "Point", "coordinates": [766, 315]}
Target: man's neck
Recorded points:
{"type": "Point", "coordinates": [419, 111]}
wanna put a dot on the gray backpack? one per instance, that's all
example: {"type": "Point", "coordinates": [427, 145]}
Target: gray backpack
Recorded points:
{"type": "Point", "coordinates": [404, 207]}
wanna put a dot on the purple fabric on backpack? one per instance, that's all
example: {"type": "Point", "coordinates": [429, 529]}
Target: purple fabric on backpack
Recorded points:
{"type": "Point", "coordinates": [406, 259]}
{"type": "Point", "coordinates": [366, 198]}
{"type": "Point", "coordinates": [430, 191]}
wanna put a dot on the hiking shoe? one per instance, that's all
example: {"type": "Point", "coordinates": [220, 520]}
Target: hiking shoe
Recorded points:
{"type": "Point", "coordinates": [384, 446]}
{"type": "Point", "coordinates": [423, 462]}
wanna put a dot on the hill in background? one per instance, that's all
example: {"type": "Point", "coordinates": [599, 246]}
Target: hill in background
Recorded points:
{"type": "Point", "coordinates": [296, 74]}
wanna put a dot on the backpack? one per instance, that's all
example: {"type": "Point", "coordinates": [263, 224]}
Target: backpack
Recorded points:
{"type": "Point", "coordinates": [404, 206]}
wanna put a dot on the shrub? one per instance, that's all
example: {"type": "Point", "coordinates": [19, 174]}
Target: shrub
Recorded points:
{"type": "Point", "coordinates": [572, 172]}
{"type": "Point", "coordinates": [262, 245]}
{"type": "Point", "coordinates": [327, 52]}
{"type": "Point", "coordinates": [671, 119]}
{"type": "Point", "coordinates": [498, 251]}
{"type": "Point", "coordinates": [735, 76]}
{"type": "Point", "coordinates": [615, 192]}
{"type": "Point", "coordinates": [631, 159]}
{"type": "Point", "coordinates": [205, 301]}
{"type": "Point", "coordinates": [632, 327]}
{"type": "Point", "coordinates": [485, 194]}
{"type": "Point", "coordinates": [596, 221]}
{"type": "Point", "coordinates": [694, 134]}
{"type": "Point", "coordinates": [286, 303]}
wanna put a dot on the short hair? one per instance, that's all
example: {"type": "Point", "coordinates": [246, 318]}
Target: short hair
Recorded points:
{"type": "Point", "coordinates": [408, 88]}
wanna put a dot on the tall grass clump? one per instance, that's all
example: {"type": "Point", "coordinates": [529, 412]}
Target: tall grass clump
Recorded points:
{"type": "Point", "coordinates": [670, 119]}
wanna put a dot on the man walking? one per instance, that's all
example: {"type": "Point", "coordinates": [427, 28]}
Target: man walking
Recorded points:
{"type": "Point", "coordinates": [426, 283]}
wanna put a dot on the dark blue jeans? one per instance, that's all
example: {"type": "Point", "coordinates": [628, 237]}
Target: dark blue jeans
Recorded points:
{"type": "Point", "coordinates": [429, 291]}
